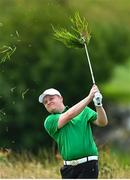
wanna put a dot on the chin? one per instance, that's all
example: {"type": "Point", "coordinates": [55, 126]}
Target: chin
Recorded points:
{"type": "Point", "coordinates": [53, 111]}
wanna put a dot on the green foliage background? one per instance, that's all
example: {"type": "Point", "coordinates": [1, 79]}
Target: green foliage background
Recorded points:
{"type": "Point", "coordinates": [41, 62]}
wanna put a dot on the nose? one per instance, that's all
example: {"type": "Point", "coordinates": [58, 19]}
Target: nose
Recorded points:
{"type": "Point", "coordinates": [48, 102]}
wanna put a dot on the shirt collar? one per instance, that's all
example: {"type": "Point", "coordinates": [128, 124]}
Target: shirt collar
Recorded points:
{"type": "Point", "coordinates": [66, 108]}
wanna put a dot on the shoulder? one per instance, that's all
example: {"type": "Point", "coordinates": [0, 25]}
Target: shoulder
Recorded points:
{"type": "Point", "coordinates": [51, 117]}
{"type": "Point", "coordinates": [88, 109]}
{"type": "Point", "coordinates": [90, 113]}
{"type": "Point", "coordinates": [51, 122]}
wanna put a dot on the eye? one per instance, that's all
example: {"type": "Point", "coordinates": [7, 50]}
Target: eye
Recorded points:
{"type": "Point", "coordinates": [51, 98]}
{"type": "Point", "coordinates": [44, 102]}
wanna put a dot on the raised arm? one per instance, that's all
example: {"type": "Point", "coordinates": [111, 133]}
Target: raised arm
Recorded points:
{"type": "Point", "coordinates": [101, 117]}
{"type": "Point", "coordinates": [101, 114]}
{"type": "Point", "coordinates": [77, 108]}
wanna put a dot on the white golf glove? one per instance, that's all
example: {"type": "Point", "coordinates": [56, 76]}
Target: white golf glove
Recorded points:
{"type": "Point", "coordinates": [97, 99]}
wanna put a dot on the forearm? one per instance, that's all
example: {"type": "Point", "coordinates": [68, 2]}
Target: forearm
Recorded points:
{"type": "Point", "coordinates": [77, 108]}
{"type": "Point", "coordinates": [73, 111]}
{"type": "Point", "coordinates": [101, 117]}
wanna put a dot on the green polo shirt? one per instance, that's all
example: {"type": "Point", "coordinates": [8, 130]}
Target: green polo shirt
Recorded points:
{"type": "Point", "coordinates": [75, 139]}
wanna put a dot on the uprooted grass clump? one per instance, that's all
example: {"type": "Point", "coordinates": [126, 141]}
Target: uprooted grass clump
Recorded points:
{"type": "Point", "coordinates": [78, 35]}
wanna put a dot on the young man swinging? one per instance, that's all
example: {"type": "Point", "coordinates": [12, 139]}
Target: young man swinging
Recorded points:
{"type": "Point", "coordinates": [71, 129]}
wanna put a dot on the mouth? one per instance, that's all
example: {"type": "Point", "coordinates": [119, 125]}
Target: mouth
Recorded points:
{"type": "Point", "coordinates": [51, 107]}
{"type": "Point", "coordinates": [51, 104]}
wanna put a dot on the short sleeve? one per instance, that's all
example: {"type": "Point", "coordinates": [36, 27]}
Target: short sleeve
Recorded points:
{"type": "Point", "coordinates": [51, 124]}
{"type": "Point", "coordinates": [91, 114]}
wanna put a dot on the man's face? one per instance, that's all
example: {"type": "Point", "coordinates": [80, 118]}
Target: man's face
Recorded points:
{"type": "Point", "coordinates": [53, 103]}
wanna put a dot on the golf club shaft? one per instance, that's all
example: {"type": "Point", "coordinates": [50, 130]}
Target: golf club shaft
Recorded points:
{"type": "Point", "coordinates": [91, 71]}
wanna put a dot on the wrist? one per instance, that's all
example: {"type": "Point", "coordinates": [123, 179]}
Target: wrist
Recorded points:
{"type": "Point", "coordinates": [88, 99]}
{"type": "Point", "coordinates": [99, 106]}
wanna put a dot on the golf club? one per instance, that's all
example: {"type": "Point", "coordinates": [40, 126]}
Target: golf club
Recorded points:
{"type": "Point", "coordinates": [89, 62]}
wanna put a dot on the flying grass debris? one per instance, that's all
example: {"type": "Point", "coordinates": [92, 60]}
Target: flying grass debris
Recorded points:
{"type": "Point", "coordinates": [6, 52]}
{"type": "Point", "coordinates": [23, 93]}
{"type": "Point", "coordinates": [12, 89]}
{"type": "Point", "coordinates": [78, 37]}
{"type": "Point", "coordinates": [2, 114]}
{"type": "Point", "coordinates": [17, 33]}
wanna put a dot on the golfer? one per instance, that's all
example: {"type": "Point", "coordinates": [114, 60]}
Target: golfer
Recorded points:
{"type": "Point", "coordinates": [71, 129]}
